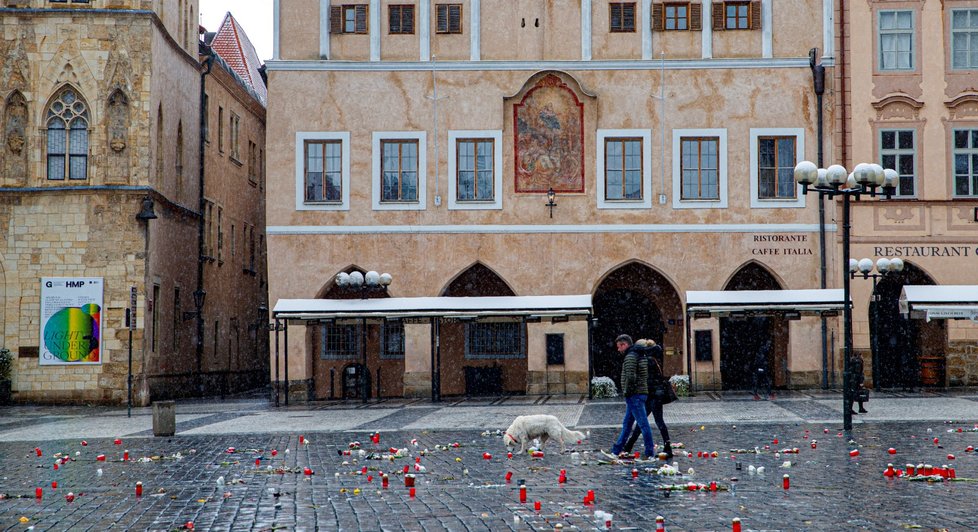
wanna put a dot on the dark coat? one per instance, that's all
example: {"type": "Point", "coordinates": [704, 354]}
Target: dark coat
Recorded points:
{"type": "Point", "coordinates": [634, 373]}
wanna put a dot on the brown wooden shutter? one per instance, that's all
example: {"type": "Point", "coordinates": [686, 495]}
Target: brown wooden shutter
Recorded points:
{"type": "Point", "coordinates": [393, 19]}
{"type": "Point", "coordinates": [628, 17]}
{"type": "Point", "coordinates": [658, 24]}
{"type": "Point", "coordinates": [442, 25]}
{"type": "Point", "coordinates": [755, 15]}
{"type": "Point", "coordinates": [696, 16]}
{"type": "Point", "coordinates": [360, 18]}
{"type": "Point", "coordinates": [336, 20]}
{"type": "Point", "coordinates": [408, 19]}
{"type": "Point", "coordinates": [455, 18]}
{"type": "Point", "coordinates": [718, 23]}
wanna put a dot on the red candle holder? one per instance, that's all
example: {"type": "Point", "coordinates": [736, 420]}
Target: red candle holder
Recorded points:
{"type": "Point", "coordinates": [713, 485]}
{"type": "Point", "coordinates": [125, 456]}
{"type": "Point", "coordinates": [302, 439]}
{"type": "Point", "coordinates": [509, 476]}
{"type": "Point", "coordinates": [412, 493]}
{"type": "Point", "coordinates": [70, 497]}
{"type": "Point", "coordinates": [307, 471]}
{"type": "Point", "coordinates": [406, 469]}
{"type": "Point", "coordinates": [786, 482]}
{"type": "Point", "coordinates": [139, 489]}
{"type": "Point", "coordinates": [523, 494]}
{"type": "Point", "coordinates": [637, 455]}
{"type": "Point", "coordinates": [370, 478]}
{"type": "Point", "coordinates": [891, 450]}
{"type": "Point", "coordinates": [54, 484]}
{"type": "Point", "coordinates": [736, 524]}
{"type": "Point", "coordinates": [590, 496]}
{"type": "Point", "coordinates": [409, 481]}
{"type": "Point", "coordinates": [274, 453]}
{"type": "Point", "coordinates": [38, 492]}
{"type": "Point", "coordinates": [385, 481]}
{"type": "Point", "coordinates": [37, 450]}
{"type": "Point", "coordinates": [910, 470]}
{"type": "Point", "coordinates": [509, 455]}
{"type": "Point", "coordinates": [257, 462]}
{"type": "Point", "coordinates": [634, 473]}
{"type": "Point", "coordinates": [100, 458]}
{"type": "Point", "coordinates": [536, 505]}
{"type": "Point", "coordinates": [854, 453]}
{"type": "Point", "coordinates": [117, 441]}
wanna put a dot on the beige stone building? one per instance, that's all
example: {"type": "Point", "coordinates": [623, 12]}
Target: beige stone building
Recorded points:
{"type": "Point", "coordinates": [911, 100]}
{"type": "Point", "coordinates": [101, 181]}
{"type": "Point", "coordinates": [421, 138]}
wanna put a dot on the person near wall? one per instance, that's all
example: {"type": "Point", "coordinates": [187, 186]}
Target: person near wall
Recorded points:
{"type": "Point", "coordinates": [761, 373]}
{"type": "Point", "coordinates": [653, 353]}
{"type": "Point", "coordinates": [635, 388]}
{"type": "Point", "coordinates": [858, 381]}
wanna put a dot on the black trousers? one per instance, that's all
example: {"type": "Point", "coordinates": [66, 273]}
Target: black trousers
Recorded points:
{"type": "Point", "coordinates": [655, 407]}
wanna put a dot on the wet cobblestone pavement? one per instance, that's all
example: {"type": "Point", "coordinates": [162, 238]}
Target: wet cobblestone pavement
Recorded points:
{"type": "Point", "coordinates": [195, 479]}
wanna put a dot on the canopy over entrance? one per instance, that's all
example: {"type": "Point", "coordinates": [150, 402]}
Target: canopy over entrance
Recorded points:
{"type": "Point", "coordinates": [530, 307]}
{"type": "Point", "coordinates": [953, 302]}
{"type": "Point", "coordinates": [733, 303]}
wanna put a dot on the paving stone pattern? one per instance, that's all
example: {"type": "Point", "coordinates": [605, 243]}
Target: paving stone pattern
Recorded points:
{"type": "Point", "coordinates": [462, 491]}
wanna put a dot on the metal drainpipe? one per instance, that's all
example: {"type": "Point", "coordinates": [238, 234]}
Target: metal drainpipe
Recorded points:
{"type": "Point", "coordinates": [208, 62]}
{"type": "Point", "coordinates": [818, 83]}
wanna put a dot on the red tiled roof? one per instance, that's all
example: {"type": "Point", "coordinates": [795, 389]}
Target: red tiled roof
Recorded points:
{"type": "Point", "coordinates": [231, 43]}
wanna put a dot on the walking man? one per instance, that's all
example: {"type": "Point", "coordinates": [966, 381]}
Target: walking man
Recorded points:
{"type": "Point", "coordinates": [635, 388]}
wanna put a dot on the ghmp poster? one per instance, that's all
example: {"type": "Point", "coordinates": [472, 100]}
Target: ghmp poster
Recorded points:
{"type": "Point", "coordinates": [71, 320]}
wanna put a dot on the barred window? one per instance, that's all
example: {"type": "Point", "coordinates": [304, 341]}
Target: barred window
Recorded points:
{"type": "Point", "coordinates": [494, 340]}
{"type": "Point", "coordinates": [340, 342]}
{"type": "Point", "coordinates": [393, 340]}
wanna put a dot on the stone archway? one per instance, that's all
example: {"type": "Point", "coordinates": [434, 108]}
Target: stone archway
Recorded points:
{"type": "Point", "coordinates": [907, 352]}
{"type": "Point", "coordinates": [476, 357]}
{"type": "Point", "coordinates": [636, 300]}
{"type": "Point", "coordinates": [748, 343]}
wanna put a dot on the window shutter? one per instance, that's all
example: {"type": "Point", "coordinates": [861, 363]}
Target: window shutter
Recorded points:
{"type": "Point", "coordinates": [628, 17]}
{"type": "Point", "coordinates": [394, 19]}
{"type": "Point", "coordinates": [755, 15]}
{"type": "Point", "coordinates": [361, 18]}
{"type": "Point", "coordinates": [336, 19]}
{"type": "Point", "coordinates": [657, 13]}
{"type": "Point", "coordinates": [408, 19]}
{"type": "Point", "coordinates": [696, 16]}
{"type": "Point", "coordinates": [719, 23]}
{"type": "Point", "coordinates": [455, 18]}
{"type": "Point", "coordinates": [442, 25]}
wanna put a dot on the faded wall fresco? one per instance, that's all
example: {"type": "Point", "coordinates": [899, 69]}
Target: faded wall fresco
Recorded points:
{"type": "Point", "coordinates": [549, 138]}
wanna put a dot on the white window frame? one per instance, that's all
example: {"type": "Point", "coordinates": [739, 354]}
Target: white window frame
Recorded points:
{"type": "Point", "coordinates": [894, 31]}
{"type": "Point", "coordinates": [963, 30]}
{"type": "Point", "coordinates": [646, 201]}
{"type": "Point", "coordinates": [422, 138]}
{"type": "Point", "coordinates": [300, 170]}
{"type": "Point", "coordinates": [677, 174]}
{"type": "Point", "coordinates": [496, 135]}
{"type": "Point", "coordinates": [755, 201]}
{"type": "Point", "coordinates": [954, 154]}
{"type": "Point", "coordinates": [899, 152]}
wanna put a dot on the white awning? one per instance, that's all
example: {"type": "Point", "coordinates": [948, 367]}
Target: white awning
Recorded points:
{"type": "Point", "coordinates": [531, 307]}
{"type": "Point", "coordinates": [948, 302]}
{"type": "Point", "coordinates": [702, 304]}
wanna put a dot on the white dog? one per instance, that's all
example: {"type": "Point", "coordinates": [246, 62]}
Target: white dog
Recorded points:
{"type": "Point", "coordinates": [527, 428]}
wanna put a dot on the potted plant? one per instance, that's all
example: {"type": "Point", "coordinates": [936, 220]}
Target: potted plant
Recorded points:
{"type": "Point", "coordinates": [6, 369]}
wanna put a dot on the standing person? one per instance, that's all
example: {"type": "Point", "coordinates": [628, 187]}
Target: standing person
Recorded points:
{"type": "Point", "coordinates": [635, 388]}
{"type": "Point", "coordinates": [858, 380]}
{"type": "Point", "coordinates": [653, 353]}
{"type": "Point", "coordinates": [762, 377]}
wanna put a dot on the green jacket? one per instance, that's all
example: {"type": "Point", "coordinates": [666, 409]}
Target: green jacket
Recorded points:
{"type": "Point", "coordinates": [634, 374]}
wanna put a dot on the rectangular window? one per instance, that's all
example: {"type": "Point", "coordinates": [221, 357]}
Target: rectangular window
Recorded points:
{"type": "Point", "coordinates": [233, 250]}
{"type": "Point", "coordinates": [776, 168]}
{"type": "Point", "coordinates": [220, 235]}
{"type": "Point", "coordinates": [623, 168]}
{"type": "Point", "coordinates": [235, 149]}
{"type": "Point", "coordinates": [555, 349]}
{"type": "Point", "coordinates": [251, 250]}
{"type": "Point", "coordinates": [401, 19]}
{"type": "Point", "coordinates": [207, 136]}
{"type": "Point", "coordinates": [57, 145]}
{"type": "Point", "coordinates": [475, 170]}
{"type": "Point", "coordinates": [355, 18]}
{"type": "Point", "coordinates": [341, 342]}
{"type": "Point", "coordinates": [323, 171]}
{"type": "Point", "coordinates": [896, 40]}
{"type": "Point", "coordinates": [220, 129]}
{"type": "Point", "coordinates": [964, 38]}
{"type": "Point", "coordinates": [622, 17]}
{"type": "Point", "coordinates": [965, 162]}
{"type": "Point", "coordinates": [400, 170]}
{"type": "Point", "coordinates": [897, 151]}
{"type": "Point", "coordinates": [177, 316]}
{"type": "Point", "coordinates": [252, 162]}
{"type": "Point", "coordinates": [494, 340]}
{"type": "Point", "coordinates": [449, 18]}
{"type": "Point", "coordinates": [393, 334]}
{"type": "Point", "coordinates": [736, 15]}
{"type": "Point", "coordinates": [676, 16]}
{"type": "Point", "coordinates": [699, 165]}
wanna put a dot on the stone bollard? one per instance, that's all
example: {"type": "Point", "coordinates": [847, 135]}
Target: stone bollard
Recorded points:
{"type": "Point", "coordinates": [164, 418]}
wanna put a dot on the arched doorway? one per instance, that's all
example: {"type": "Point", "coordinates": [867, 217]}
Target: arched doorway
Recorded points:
{"type": "Point", "coordinates": [907, 352]}
{"type": "Point", "coordinates": [481, 357]}
{"type": "Point", "coordinates": [638, 301]}
{"type": "Point", "coordinates": [355, 358]}
{"type": "Point", "coordinates": [750, 342]}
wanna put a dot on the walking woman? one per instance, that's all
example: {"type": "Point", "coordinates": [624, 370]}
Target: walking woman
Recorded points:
{"type": "Point", "coordinates": [653, 352]}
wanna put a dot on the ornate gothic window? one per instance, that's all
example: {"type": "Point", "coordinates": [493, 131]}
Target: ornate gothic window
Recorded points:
{"type": "Point", "coordinates": [67, 146]}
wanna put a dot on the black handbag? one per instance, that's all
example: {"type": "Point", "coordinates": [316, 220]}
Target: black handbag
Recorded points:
{"type": "Point", "coordinates": [862, 395]}
{"type": "Point", "coordinates": [661, 390]}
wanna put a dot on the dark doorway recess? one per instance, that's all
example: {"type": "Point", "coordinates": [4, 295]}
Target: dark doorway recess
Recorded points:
{"type": "Point", "coordinates": [750, 341]}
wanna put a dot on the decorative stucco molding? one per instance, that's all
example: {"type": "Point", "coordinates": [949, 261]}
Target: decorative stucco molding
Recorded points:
{"type": "Point", "coordinates": [897, 106]}
{"type": "Point", "coordinates": [964, 105]}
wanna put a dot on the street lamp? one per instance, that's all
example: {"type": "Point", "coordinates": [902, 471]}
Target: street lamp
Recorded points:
{"type": "Point", "coordinates": [551, 201]}
{"type": "Point", "coordinates": [364, 285]}
{"type": "Point", "coordinates": [834, 181]}
{"type": "Point", "coordinates": [863, 268]}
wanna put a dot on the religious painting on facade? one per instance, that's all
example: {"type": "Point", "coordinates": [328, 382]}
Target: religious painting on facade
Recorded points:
{"type": "Point", "coordinates": [71, 320]}
{"type": "Point", "coordinates": [549, 138]}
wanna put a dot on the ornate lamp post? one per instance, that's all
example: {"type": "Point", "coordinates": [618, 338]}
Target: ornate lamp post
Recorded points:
{"type": "Point", "coordinates": [866, 179]}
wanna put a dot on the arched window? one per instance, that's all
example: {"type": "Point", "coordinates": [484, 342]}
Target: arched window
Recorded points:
{"type": "Point", "coordinates": [67, 146]}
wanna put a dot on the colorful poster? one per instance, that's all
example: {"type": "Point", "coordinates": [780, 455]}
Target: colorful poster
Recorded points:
{"type": "Point", "coordinates": [71, 320]}
{"type": "Point", "coordinates": [549, 131]}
